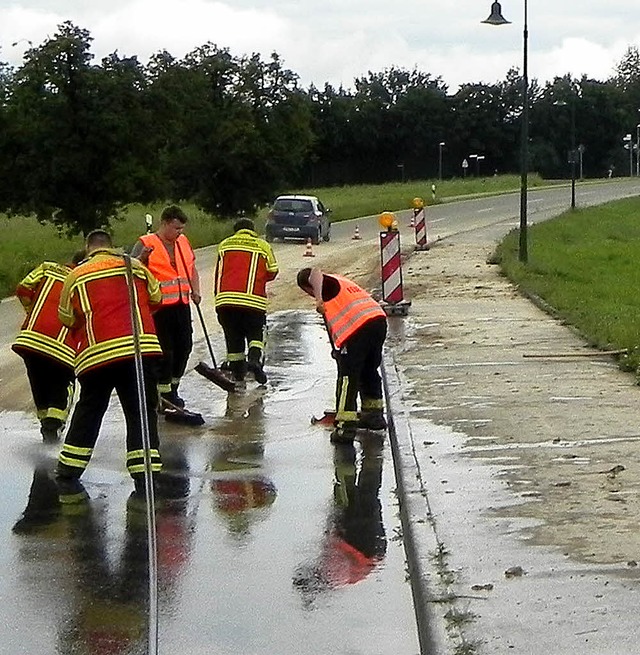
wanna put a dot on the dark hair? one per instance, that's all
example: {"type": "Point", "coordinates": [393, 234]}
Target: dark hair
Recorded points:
{"type": "Point", "coordinates": [98, 239]}
{"type": "Point", "coordinates": [244, 224]}
{"type": "Point", "coordinates": [173, 212]}
{"type": "Point", "coordinates": [303, 278]}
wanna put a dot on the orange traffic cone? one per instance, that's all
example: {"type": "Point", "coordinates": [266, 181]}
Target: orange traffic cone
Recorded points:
{"type": "Point", "coordinates": [308, 250]}
{"type": "Point", "coordinates": [356, 233]}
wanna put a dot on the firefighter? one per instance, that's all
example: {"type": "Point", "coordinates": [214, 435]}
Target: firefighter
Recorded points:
{"type": "Point", "coordinates": [245, 264]}
{"type": "Point", "coordinates": [169, 256]}
{"type": "Point", "coordinates": [95, 304]}
{"type": "Point", "coordinates": [357, 328]}
{"type": "Point", "coordinates": [46, 346]}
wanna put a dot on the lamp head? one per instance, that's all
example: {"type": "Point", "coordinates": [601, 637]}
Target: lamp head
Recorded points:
{"type": "Point", "coordinates": [496, 17]}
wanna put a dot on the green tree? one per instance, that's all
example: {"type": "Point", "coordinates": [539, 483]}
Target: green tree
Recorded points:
{"type": "Point", "coordinates": [77, 129]}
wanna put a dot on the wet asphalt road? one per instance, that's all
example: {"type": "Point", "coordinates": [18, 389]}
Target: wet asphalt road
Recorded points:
{"type": "Point", "coordinates": [281, 544]}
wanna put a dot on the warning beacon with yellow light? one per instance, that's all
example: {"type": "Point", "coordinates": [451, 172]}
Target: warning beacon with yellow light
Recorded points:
{"type": "Point", "coordinates": [388, 221]}
{"type": "Point", "coordinates": [418, 203]}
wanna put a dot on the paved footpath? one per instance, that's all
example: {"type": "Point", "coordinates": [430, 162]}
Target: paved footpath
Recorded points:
{"type": "Point", "coordinates": [516, 446]}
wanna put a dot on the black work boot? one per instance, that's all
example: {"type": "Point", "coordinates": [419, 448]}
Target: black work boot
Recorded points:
{"type": "Point", "coordinates": [50, 429]}
{"type": "Point", "coordinates": [177, 401]}
{"type": "Point", "coordinates": [372, 419]}
{"type": "Point", "coordinates": [258, 372]}
{"type": "Point", "coordinates": [238, 369]}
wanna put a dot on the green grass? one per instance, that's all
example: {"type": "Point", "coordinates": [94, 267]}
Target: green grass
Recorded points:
{"type": "Point", "coordinates": [27, 243]}
{"type": "Point", "coordinates": [585, 264]}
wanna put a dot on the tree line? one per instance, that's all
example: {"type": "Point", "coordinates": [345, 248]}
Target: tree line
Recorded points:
{"type": "Point", "coordinates": [79, 140]}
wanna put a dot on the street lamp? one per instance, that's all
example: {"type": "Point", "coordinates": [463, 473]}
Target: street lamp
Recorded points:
{"type": "Point", "coordinates": [475, 159]}
{"type": "Point", "coordinates": [479, 158]}
{"type": "Point", "coordinates": [496, 18]}
{"type": "Point", "coordinates": [628, 143]}
{"type": "Point", "coordinates": [440, 147]}
{"type": "Point", "coordinates": [572, 151]}
{"type": "Point", "coordinates": [638, 150]}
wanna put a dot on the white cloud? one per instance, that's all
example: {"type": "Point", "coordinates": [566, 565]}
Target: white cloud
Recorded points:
{"type": "Point", "coordinates": [337, 40]}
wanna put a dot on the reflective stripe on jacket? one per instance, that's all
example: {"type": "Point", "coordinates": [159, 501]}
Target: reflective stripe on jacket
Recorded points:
{"type": "Point", "coordinates": [173, 278]}
{"type": "Point", "coordinates": [95, 303]}
{"type": "Point", "coordinates": [42, 331]}
{"type": "Point", "coordinates": [245, 264]}
{"type": "Point", "coordinates": [349, 310]}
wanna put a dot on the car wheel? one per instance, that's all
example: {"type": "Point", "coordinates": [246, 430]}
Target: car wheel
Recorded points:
{"type": "Point", "coordinates": [268, 238]}
{"type": "Point", "coordinates": [327, 235]}
{"type": "Point", "coordinates": [315, 239]}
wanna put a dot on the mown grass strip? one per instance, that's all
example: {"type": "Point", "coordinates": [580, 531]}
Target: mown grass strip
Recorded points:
{"type": "Point", "coordinates": [585, 264]}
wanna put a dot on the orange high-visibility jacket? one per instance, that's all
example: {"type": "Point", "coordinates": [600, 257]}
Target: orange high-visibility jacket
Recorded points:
{"type": "Point", "coordinates": [349, 310]}
{"type": "Point", "coordinates": [173, 278]}
{"type": "Point", "coordinates": [95, 303]}
{"type": "Point", "coordinates": [245, 264]}
{"type": "Point", "coordinates": [42, 332]}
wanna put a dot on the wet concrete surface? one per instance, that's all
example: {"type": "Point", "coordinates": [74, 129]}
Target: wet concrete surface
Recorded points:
{"type": "Point", "coordinates": [281, 544]}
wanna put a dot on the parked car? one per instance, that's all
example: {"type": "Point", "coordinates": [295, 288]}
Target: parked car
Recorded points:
{"type": "Point", "coordinates": [298, 217]}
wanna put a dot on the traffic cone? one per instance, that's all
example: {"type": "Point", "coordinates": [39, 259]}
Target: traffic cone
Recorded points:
{"type": "Point", "coordinates": [308, 250]}
{"type": "Point", "coordinates": [356, 234]}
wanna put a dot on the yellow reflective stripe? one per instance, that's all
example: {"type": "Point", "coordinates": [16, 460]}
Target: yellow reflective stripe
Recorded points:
{"type": "Point", "coordinates": [40, 302]}
{"type": "Point", "coordinates": [372, 403]}
{"type": "Point", "coordinates": [235, 357]}
{"type": "Point", "coordinates": [115, 349]}
{"type": "Point", "coordinates": [54, 412]}
{"type": "Point", "coordinates": [70, 461]}
{"type": "Point", "coordinates": [342, 397]}
{"type": "Point", "coordinates": [256, 344]}
{"type": "Point", "coordinates": [153, 452]}
{"type": "Point", "coordinates": [240, 299]}
{"type": "Point", "coordinates": [251, 274]}
{"type": "Point", "coordinates": [47, 345]}
{"type": "Point", "coordinates": [164, 388]}
{"type": "Point", "coordinates": [77, 450]}
{"type": "Point", "coordinates": [139, 468]}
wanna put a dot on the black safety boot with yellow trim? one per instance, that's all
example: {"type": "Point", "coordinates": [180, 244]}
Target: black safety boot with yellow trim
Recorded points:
{"type": "Point", "coordinates": [372, 419]}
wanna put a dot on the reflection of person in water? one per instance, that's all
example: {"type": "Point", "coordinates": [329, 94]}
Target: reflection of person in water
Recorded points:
{"type": "Point", "coordinates": [110, 598]}
{"type": "Point", "coordinates": [354, 542]}
{"type": "Point", "coordinates": [242, 492]}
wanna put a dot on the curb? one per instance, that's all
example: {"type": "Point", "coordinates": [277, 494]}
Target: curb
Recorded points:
{"type": "Point", "coordinates": [432, 599]}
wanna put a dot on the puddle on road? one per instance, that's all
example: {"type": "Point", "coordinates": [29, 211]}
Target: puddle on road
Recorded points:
{"type": "Point", "coordinates": [282, 543]}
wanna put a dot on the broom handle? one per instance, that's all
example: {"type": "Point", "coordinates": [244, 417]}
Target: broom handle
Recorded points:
{"type": "Point", "coordinates": [200, 316]}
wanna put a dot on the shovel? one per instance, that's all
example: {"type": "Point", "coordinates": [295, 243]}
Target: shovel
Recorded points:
{"type": "Point", "coordinates": [213, 374]}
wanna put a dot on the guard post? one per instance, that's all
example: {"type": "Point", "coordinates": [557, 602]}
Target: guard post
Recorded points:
{"type": "Point", "coordinates": [420, 224]}
{"type": "Point", "coordinates": [393, 302]}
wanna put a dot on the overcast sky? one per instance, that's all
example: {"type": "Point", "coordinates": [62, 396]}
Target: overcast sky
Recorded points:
{"type": "Point", "coordinates": [336, 41]}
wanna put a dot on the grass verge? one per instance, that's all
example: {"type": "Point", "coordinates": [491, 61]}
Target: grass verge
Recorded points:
{"type": "Point", "coordinates": [585, 264]}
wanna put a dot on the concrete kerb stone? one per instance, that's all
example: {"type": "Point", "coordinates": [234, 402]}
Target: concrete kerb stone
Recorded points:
{"type": "Point", "coordinates": [433, 597]}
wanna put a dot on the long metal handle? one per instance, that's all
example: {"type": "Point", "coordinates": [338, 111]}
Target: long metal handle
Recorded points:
{"type": "Point", "coordinates": [200, 316]}
{"type": "Point", "coordinates": [148, 474]}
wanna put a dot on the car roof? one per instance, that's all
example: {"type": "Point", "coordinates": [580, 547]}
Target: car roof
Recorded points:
{"type": "Point", "coordinates": [296, 197]}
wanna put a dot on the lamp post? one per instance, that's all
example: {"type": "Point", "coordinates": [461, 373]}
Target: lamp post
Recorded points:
{"type": "Point", "coordinates": [440, 147]}
{"type": "Point", "coordinates": [628, 143]}
{"type": "Point", "coordinates": [638, 150]}
{"type": "Point", "coordinates": [479, 158]}
{"type": "Point", "coordinates": [496, 18]}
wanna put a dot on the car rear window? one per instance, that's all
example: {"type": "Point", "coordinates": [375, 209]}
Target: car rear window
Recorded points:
{"type": "Point", "coordinates": [293, 205]}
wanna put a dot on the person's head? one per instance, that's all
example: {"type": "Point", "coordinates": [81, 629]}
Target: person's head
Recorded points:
{"type": "Point", "coordinates": [244, 224]}
{"type": "Point", "coordinates": [303, 280]}
{"type": "Point", "coordinates": [98, 239]}
{"type": "Point", "coordinates": [172, 222]}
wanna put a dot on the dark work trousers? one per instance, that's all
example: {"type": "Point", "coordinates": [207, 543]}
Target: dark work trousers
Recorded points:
{"type": "Point", "coordinates": [51, 385]}
{"type": "Point", "coordinates": [244, 331]}
{"type": "Point", "coordinates": [175, 334]}
{"type": "Point", "coordinates": [358, 363]}
{"type": "Point", "coordinates": [96, 387]}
